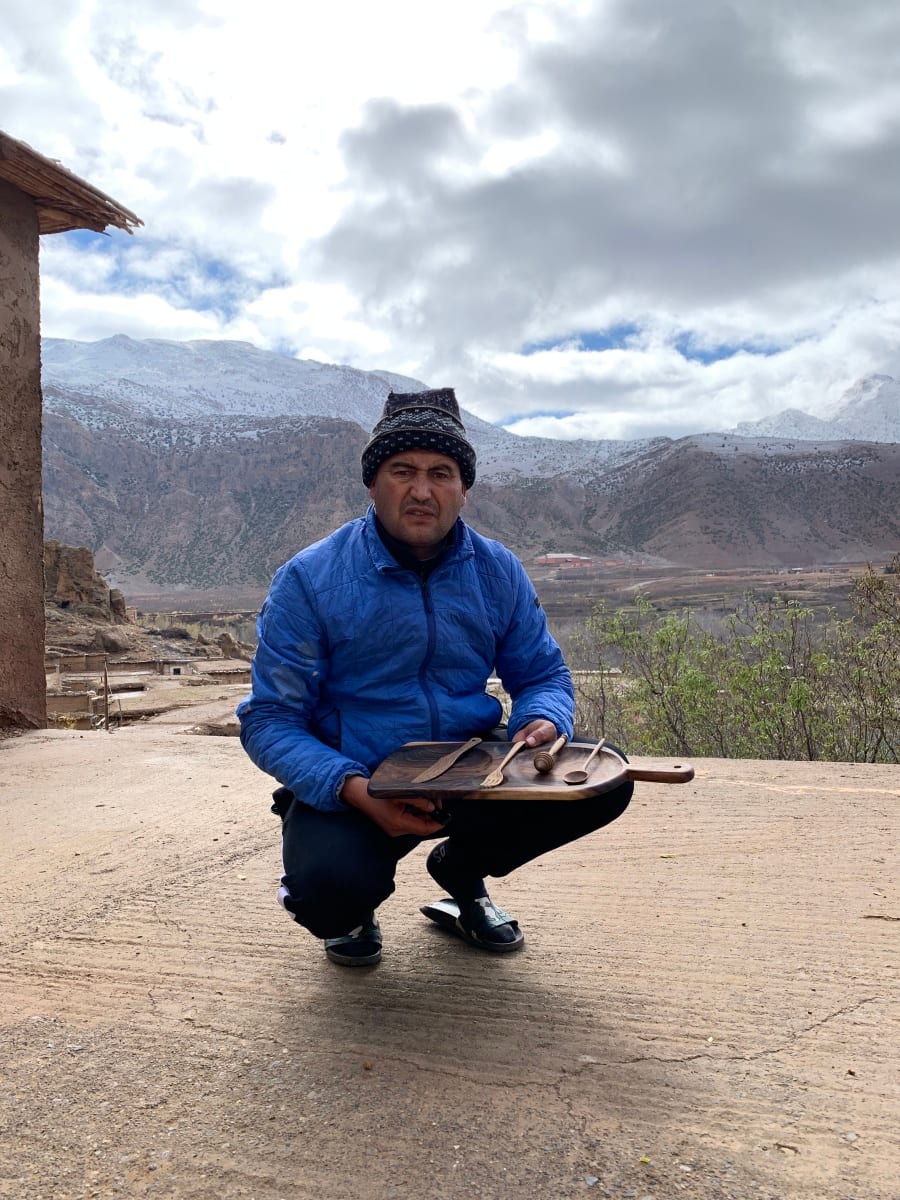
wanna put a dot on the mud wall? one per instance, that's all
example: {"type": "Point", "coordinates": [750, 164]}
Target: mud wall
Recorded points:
{"type": "Point", "coordinates": [22, 681]}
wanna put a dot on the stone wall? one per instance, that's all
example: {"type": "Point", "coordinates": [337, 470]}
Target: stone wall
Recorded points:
{"type": "Point", "coordinates": [22, 683]}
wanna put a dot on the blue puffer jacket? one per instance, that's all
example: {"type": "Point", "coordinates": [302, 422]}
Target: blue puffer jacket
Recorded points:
{"type": "Point", "coordinates": [357, 656]}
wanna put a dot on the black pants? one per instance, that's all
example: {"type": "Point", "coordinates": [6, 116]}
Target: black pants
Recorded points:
{"type": "Point", "coordinates": [338, 866]}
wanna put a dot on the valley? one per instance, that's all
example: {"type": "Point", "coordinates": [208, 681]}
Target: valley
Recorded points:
{"type": "Point", "coordinates": [567, 594]}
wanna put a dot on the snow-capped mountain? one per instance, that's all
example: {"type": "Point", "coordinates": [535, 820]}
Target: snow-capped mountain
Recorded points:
{"type": "Point", "coordinates": [208, 379]}
{"type": "Point", "coordinates": [867, 412]}
{"type": "Point", "coordinates": [226, 387]}
{"type": "Point", "coordinates": [870, 410]}
{"type": "Point", "coordinates": [211, 383]}
{"type": "Point", "coordinates": [205, 465]}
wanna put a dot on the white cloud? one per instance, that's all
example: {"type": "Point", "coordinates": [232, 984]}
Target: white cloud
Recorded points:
{"type": "Point", "coordinates": [86, 317]}
{"type": "Point", "coordinates": [318, 321]}
{"type": "Point", "coordinates": [431, 190]}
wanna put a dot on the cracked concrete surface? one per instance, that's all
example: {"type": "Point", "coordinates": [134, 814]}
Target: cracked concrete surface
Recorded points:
{"type": "Point", "coordinates": [706, 1005]}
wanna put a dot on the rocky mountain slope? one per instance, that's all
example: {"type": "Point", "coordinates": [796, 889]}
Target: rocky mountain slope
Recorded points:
{"type": "Point", "coordinates": [205, 465]}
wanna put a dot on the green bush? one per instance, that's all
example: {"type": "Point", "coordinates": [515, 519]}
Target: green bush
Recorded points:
{"type": "Point", "coordinates": [776, 684]}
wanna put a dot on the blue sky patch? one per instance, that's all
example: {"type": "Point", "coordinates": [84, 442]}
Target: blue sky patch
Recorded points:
{"type": "Point", "coordinates": [622, 337]}
{"type": "Point", "coordinates": [530, 414]}
{"type": "Point", "coordinates": [616, 337]}
{"type": "Point", "coordinates": [690, 350]}
{"type": "Point", "coordinates": [84, 238]}
{"type": "Point", "coordinates": [205, 284]}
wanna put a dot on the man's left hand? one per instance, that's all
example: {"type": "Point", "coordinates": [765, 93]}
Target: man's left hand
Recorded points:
{"type": "Point", "coordinates": [536, 733]}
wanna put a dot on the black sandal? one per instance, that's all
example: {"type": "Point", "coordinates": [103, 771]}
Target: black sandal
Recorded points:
{"type": "Point", "coordinates": [479, 922]}
{"type": "Point", "coordinates": [361, 947]}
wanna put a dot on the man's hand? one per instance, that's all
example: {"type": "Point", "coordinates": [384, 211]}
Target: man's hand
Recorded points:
{"type": "Point", "coordinates": [536, 733]}
{"type": "Point", "coordinates": [395, 817]}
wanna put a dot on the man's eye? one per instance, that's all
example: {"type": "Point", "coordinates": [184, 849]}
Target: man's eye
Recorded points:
{"type": "Point", "coordinates": [441, 476]}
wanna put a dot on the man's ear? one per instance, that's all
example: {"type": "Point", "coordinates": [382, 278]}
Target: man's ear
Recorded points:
{"type": "Point", "coordinates": [372, 490]}
{"type": "Point", "coordinates": [464, 491]}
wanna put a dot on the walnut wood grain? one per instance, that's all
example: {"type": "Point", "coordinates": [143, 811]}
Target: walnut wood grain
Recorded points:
{"type": "Point", "coordinates": [394, 777]}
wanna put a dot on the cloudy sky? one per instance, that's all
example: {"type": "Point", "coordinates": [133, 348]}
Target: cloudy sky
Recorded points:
{"type": "Point", "coordinates": [601, 218]}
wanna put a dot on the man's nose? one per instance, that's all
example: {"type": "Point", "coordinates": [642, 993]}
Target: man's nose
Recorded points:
{"type": "Point", "coordinates": [421, 485]}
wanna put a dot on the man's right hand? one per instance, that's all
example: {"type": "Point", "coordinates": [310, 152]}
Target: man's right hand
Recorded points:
{"type": "Point", "coordinates": [396, 817]}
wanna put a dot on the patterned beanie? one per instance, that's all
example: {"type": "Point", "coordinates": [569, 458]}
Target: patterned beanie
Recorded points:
{"type": "Point", "coordinates": [420, 421]}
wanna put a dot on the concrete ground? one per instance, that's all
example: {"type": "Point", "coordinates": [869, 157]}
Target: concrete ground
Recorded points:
{"type": "Point", "coordinates": [707, 1005]}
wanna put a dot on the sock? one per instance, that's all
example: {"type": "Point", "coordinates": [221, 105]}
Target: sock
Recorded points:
{"type": "Point", "coordinates": [454, 877]}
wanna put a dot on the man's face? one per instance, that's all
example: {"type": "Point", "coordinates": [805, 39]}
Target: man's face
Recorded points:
{"type": "Point", "coordinates": [418, 496]}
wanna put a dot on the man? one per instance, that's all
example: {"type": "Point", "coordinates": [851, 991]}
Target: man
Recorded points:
{"type": "Point", "coordinates": [383, 633]}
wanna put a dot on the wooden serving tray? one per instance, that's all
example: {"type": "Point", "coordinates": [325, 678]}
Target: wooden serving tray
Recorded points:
{"type": "Point", "coordinates": [393, 778]}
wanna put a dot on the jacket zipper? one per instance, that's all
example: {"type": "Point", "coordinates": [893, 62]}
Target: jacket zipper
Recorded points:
{"type": "Point", "coordinates": [429, 654]}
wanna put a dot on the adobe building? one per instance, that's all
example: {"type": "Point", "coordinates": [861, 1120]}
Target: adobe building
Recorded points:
{"type": "Point", "coordinates": [37, 196]}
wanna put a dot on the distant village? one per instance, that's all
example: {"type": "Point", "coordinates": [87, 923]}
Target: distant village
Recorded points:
{"type": "Point", "coordinates": [85, 691]}
{"type": "Point", "coordinates": [578, 561]}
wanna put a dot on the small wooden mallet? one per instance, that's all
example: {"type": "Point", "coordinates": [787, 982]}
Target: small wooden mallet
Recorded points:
{"type": "Point", "coordinates": [545, 760]}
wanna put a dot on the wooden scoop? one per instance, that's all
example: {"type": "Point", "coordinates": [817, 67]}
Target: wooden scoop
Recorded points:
{"type": "Point", "coordinates": [545, 760]}
{"type": "Point", "coordinates": [581, 776]}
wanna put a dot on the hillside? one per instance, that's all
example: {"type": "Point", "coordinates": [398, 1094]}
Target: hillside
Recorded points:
{"type": "Point", "coordinates": [172, 482]}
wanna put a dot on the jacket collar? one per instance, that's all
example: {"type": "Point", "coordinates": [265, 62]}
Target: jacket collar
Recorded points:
{"type": "Point", "coordinates": [383, 559]}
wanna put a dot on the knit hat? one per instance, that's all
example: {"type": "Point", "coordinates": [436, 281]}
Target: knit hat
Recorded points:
{"type": "Point", "coordinates": [420, 421]}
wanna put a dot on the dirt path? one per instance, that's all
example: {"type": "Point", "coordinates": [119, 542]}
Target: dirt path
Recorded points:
{"type": "Point", "coordinates": [707, 1005]}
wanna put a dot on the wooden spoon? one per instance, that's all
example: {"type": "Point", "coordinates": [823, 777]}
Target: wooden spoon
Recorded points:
{"type": "Point", "coordinates": [581, 776]}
